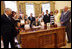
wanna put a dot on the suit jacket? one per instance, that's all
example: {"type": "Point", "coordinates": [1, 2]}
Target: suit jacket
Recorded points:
{"type": "Point", "coordinates": [20, 17]}
{"type": "Point", "coordinates": [14, 24]}
{"type": "Point", "coordinates": [46, 18]}
{"type": "Point", "coordinates": [7, 27]}
{"type": "Point", "coordinates": [33, 19]}
{"type": "Point", "coordinates": [65, 18]}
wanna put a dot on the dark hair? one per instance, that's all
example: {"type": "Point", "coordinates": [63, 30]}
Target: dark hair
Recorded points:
{"type": "Point", "coordinates": [13, 12]}
{"type": "Point", "coordinates": [47, 10]}
{"type": "Point", "coordinates": [51, 12]}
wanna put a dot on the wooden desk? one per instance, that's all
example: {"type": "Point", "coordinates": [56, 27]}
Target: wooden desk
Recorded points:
{"type": "Point", "coordinates": [43, 38]}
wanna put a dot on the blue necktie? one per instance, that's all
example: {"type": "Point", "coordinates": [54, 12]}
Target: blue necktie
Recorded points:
{"type": "Point", "coordinates": [31, 18]}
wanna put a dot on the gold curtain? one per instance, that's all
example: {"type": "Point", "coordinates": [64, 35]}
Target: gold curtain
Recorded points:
{"type": "Point", "coordinates": [37, 9]}
{"type": "Point", "coordinates": [23, 8]}
{"type": "Point", "coordinates": [52, 6]}
{"type": "Point", "coordinates": [2, 7]}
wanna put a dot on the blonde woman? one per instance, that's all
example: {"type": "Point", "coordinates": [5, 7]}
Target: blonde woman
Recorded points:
{"type": "Point", "coordinates": [40, 18]}
{"type": "Point", "coordinates": [57, 17]}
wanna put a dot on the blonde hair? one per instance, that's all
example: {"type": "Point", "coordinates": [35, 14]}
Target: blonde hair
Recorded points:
{"type": "Point", "coordinates": [40, 14]}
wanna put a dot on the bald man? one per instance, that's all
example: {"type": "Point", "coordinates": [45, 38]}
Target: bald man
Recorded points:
{"type": "Point", "coordinates": [65, 21]}
{"type": "Point", "coordinates": [7, 29]}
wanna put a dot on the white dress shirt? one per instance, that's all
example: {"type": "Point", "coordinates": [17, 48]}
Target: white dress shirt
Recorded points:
{"type": "Point", "coordinates": [65, 12]}
{"type": "Point", "coordinates": [47, 14]}
{"type": "Point", "coordinates": [6, 15]}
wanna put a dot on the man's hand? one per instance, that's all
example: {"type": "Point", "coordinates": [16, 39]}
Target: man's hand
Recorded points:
{"type": "Point", "coordinates": [16, 28]}
{"type": "Point", "coordinates": [18, 24]}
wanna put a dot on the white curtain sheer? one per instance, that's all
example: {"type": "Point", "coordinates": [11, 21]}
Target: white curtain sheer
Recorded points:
{"type": "Point", "coordinates": [45, 7]}
{"type": "Point", "coordinates": [12, 5]}
{"type": "Point", "coordinates": [30, 9]}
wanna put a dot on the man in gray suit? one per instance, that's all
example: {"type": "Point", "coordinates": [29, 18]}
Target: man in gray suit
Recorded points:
{"type": "Point", "coordinates": [65, 21]}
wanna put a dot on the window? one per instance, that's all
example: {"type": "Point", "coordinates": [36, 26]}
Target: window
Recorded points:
{"type": "Point", "coordinates": [46, 7]}
{"type": "Point", "coordinates": [30, 9]}
{"type": "Point", "coordinates": [11, 4]}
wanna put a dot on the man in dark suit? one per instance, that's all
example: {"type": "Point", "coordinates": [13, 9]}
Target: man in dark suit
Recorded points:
{"type": "Point", "coordinates": [37, 23]}
{"type": "Point", "coordinates": [31, 19]}
{"type": "Point", "coordinates": [7, 29]}
{"type": "Point", "coordinates": [46, 18]}
{"type": "Point", "coordinates": [65, 21]}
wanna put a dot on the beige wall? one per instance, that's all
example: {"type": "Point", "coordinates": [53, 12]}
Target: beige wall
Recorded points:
{"type": "Point", "coordinates": [61, 4]}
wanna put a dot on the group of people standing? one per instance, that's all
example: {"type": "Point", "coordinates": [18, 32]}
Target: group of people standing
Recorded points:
{"type": "Point", "coordinates": [10, 26]}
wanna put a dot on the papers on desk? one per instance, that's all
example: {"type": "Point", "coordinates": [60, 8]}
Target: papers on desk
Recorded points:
{"type": "Point", "coordinates": [27, 26]}
{"type": "Point", "coordinates": [22, 22]}
{"type": "Point", "coordinates": [42, 23]}
{"type": "Point", "coordinates": [36, 26]}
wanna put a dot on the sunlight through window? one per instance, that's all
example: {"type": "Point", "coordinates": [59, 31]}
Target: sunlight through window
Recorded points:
{"type": "Point", "coordinates": [30, 9]}
{"type": "Point", "coordinates": [11, 4]}
{"type": "Point", "coordinates": [46, 7]}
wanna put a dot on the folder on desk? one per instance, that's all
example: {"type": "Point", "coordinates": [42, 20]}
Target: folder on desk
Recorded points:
{"type": "Point", "coordinates": [22, 21]}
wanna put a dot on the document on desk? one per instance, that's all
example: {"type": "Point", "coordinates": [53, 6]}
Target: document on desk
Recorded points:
{"type": "Point", "coordinates": [27, 26]}
{"type": "Point", "coordinates": [22, 22]}
{"type": "Point", "coordinates": [36, 26]}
